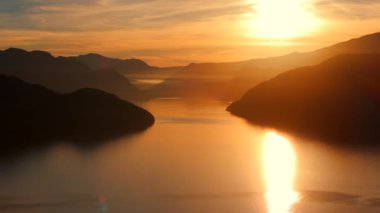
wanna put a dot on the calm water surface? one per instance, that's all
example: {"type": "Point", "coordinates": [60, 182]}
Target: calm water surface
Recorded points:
{"type": "Point", "coordinates": [196, 159]}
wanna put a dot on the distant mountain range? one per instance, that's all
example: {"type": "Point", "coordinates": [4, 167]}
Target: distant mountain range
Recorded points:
{"type": "Point", "coordinates": [299, 97]}
{"type": "Point", "coordinates": [62, 74]}
{"type": "Point", "coordinates": [229, 80]}
{"type": "Point", "coordinates": [226, 81]}
{"type": "Point", "coordinates": [31, 115]}
{"type": "Point", "coordinates": [337, 100]}
{"type": "Point", "coordinates": [267, 67]}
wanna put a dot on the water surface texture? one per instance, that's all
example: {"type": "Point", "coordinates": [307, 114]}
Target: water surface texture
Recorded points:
{"type": "Point", "coordinates": [197, 158]}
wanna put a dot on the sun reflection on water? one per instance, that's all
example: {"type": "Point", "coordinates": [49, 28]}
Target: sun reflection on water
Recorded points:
{"type": "Point", "coordinates": [279, 163]}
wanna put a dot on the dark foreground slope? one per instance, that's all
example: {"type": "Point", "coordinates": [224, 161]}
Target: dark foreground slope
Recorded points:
{"type": "Point", "coordinates": [31, 115]}
{"type": "Point", "coordinates": [338, 100]}
{"type": "Point", "coordinates": [62, 74]}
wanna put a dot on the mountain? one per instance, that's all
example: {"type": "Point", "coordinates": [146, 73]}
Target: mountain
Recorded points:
{"type": "Point", "coordinates": [62, 74]}
{"type": "Point", "coordinates": [31, 115]}
{"type": "Point", "coordinates": [96, 61]}
{"type": "Point", "coordinates": [229, 80]}
{"type": "Point", "coordinates": [337, 100]}
{"type": "Point", "coordinates": [141, 75]}
{"type": "Point", "coordinates": [225, 81]}
{"type": "Point", "coordinates": [274, 65]}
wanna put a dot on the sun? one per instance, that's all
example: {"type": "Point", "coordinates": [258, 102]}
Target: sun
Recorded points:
{"type": "Point", "coordinates": [283, 19]}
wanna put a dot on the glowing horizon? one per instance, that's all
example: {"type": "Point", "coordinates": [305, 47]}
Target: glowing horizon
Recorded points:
{"type": "Point", "coordinates": [171, 33]}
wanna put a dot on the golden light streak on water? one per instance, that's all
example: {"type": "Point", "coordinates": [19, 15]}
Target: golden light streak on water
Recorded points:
{"type": "Point", "coordinates": [279, 164]}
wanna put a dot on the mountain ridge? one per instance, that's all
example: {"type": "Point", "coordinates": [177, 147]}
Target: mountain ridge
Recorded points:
{"type": "Point", "coordinates": [238, 77]}
{"type": "Point", "coordinates": [62, 74]}
{"type": "Point", "coordinates": [337, 100]}
{"type": "Point", "coordinates": [97, 61]}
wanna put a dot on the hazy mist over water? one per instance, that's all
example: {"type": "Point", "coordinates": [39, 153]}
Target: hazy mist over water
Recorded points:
{"type": "Point", "coordinates": [196, 158]}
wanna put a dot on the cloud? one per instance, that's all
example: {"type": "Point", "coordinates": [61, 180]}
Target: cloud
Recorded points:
{"type": "Point", "coordinates": [163, 31]}
{"type": "Point", "coordinates": [98, 15]}
{"type": "Point", "coordinates": [348, 10]}
{"type": "Point", "coordinates": [202, 14]}
{"type": "Point", "coordinates": [352, 1]}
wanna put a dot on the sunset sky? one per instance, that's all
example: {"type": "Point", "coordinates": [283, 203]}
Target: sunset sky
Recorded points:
{"type": "Point", "coordinates": [172, 32]}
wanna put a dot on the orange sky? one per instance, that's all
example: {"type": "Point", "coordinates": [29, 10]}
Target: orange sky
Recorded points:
{"type": "Point", "coordinates": [170, 32]}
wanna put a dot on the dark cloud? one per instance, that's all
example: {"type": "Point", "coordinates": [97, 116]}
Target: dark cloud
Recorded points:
{"type": "Point", "coordinates": [16, 6]}
{"type": "Point", "coordinates": [22, 6]}
{"type": "Point", "coordinates": [63, 15]}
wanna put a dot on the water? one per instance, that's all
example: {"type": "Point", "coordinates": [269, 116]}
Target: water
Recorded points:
{"type": "Point", "coordinates": [196, 159]}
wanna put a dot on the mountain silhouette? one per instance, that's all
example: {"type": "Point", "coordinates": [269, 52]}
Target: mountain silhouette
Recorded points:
{"type": "Point", "coordinates": [225, 81]}
{"type": "Point", "coordinates": [96, 61]}
{"type": "Point", "coordinates": [267, 67]}
{"type": "Point", "coordinates": [337, 100]}
{"type": "Point", "coordinates": [229, 80]}
{"type": "Point", "coordinates": [62, 74]}
{"type": "Point", "coordinates": [135, 70]}
{"type": "Point", "coordinates": [31, 115]}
